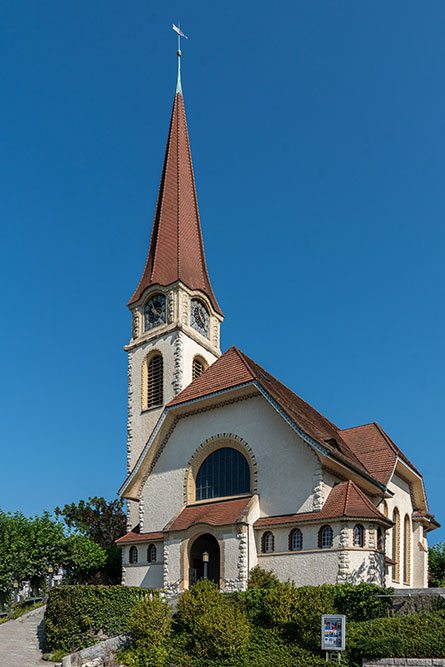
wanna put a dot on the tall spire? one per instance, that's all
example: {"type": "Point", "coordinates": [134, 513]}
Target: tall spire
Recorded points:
{"type": "Point", "coordinates": [178, 83]}
{"type": "Point", "coordinates": [176, 249]}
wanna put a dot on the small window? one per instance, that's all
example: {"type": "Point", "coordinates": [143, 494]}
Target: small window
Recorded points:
{"type": "Point", "coordinates": [268, 543]}
{"type": "Point", "coordinates": [295, 540]}
{"type": "Point", "coordinates": [155, 394]}
{"type": "Point", "coordinates": [359, 536]}
{"type": "Point", "coordinates": [151, 553]}
{"type": "Point", "coordinates": [133, 555]}
{"type": "Point", "coordinates": [325, 537]}
{"type": "Point", "coordinates": [379, 539]}
{"type": "Point", "coordinates": [198, 367]}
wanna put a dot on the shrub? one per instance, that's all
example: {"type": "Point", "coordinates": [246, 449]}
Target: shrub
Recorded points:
{"type": "Point", "coordinates": [150, 626]}
{"type": "Point", "coordinates": [194, 602]}
{"type": "Point", "coordinates": [414, 636]}
{"type": "Point", "coordinates": [74, 614]}
{"type": "Point", "coordinates": [259, 578]}
{"type": "Point", "coordinates": [280, 603]}
{"type": "Point", "coordinates": [360, 602]}
{"type": "Point", "coordinates": [221, 631]}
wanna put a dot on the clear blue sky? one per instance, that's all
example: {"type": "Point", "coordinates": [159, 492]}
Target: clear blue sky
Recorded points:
{"type": "Point", "coordinates": [317, 133]}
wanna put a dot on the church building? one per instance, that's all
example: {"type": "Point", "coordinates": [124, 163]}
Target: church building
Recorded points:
{"type": "Point", "coordinates": [227, 468]}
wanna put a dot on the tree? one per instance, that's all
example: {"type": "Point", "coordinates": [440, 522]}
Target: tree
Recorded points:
{"type": "Point", "coordinates": [103, 522]}
{"type": "Point", "coordinates": [436, 564]}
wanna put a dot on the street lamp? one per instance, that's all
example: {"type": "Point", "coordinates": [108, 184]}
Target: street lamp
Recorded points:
{"type": "Point", "coordinates": [16, 591]}
{"type": "Point", "coordinates": [50, 576]}
{"type": "Point", "coordinates": [205, 560]}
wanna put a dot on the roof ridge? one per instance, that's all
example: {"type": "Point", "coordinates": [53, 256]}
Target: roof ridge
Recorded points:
{"type": "Point", "coordinates": [354, 428]}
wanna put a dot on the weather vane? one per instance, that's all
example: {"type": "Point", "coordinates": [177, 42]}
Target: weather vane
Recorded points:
{"type": "Point", "coordinates": [177, 29]}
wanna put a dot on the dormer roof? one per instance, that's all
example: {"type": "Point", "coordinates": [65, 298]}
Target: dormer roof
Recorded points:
{"type": "Point", "coordinates": [176, 251]}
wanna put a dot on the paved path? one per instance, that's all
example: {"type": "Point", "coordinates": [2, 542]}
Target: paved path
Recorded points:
{"type": "Point", "coordinates": [20, 640]}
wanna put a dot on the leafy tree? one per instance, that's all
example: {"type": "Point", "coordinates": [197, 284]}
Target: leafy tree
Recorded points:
{"type": "Point", "coordinates": [436, 564]}
{"type": "Point", "coordinates": [103, 522]}
{"type": "Point", "coordinates": [83, 559]}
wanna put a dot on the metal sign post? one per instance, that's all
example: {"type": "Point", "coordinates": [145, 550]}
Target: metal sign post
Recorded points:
{"type": "Point", "coordinates": [333, 635]}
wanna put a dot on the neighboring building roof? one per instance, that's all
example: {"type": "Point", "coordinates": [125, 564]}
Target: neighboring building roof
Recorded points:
{"type": "Point", "coordinates": [345, 500]}
{"type": "Point", "coordinates": [234, 368]}
{"type": "Point", "coordinates": [176, 249]}
{"type": "Point", "coordinates": [375, 449]}
{"type": "Point", "coordinates": [135, 536]}
{"type": "Point", "coordinates": [220, 513]}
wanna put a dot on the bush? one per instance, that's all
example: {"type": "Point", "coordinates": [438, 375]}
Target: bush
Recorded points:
{"type": "Point", "coordinates": [414, 636]}
{"type": "Point", "coordinates": [360, 602]}
{"type": "Point", "coordinates": [281, 603]}
{"type": "Point", "coordinates": [150, 626]}
{"type": "Point", "coordinates": [194, 602]}
{"type": "Point", "coordinates": [75, 614]}
{"type": "Point", "coordinates": [221, 631]}
{"type": "Point", "coordinates": [259, 578]}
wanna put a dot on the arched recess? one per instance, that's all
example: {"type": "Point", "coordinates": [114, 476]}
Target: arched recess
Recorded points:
{"type": "Point", "coordinates": [199, 365]}
{"type": "Point", "coordinates": [152, 380]}
{"type": "Point", "coordinates": [407, 550]}
{"type": "Point", "coordinates": [209, 446]}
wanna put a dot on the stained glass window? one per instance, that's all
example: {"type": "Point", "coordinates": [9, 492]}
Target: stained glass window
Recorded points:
{"type": "Point", "coordinates": [223, 473]}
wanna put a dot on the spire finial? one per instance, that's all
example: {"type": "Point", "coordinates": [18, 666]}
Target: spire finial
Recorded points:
{"type": "Point", "coordinates": [180, 34]}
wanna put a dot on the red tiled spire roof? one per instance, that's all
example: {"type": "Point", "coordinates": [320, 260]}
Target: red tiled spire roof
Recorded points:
{"type": "Point", "coordinates": [345, 500]}
{"type": "Point", "coordinates": [176, 249]}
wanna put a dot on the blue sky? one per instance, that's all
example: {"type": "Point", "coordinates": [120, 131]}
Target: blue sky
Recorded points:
{"type": "Point", "coordinates": [317, 133]}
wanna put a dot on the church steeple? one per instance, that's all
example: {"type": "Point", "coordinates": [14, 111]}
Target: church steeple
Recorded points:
{"type": "Point", "coordinates": [176, 251]}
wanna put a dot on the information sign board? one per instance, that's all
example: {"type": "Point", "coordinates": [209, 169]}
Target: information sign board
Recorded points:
{"type": "Point", "coordinates": [333, 632]}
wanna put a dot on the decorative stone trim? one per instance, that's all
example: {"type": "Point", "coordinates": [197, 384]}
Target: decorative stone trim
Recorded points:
{"type": "Point", "coordinates": [130, 415]}
{"type": "Point", "coordinates": [209, 446]}
{"type": "Point", "coordinates": [135, 324]}
{"type": "Point", "coordinates": [141, 516]}
{"type": "Point", "coordinates": [317, 480]}
{"type": "Point", "coordinates": [343, 556]}
{"type": "Point", "coordinates": [171, 307]}
{"type": "Point", "coordinates": [178, 356]}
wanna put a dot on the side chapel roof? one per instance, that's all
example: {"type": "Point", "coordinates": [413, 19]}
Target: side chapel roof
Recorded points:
{"type": "Point", "coordinates": [176, 250]}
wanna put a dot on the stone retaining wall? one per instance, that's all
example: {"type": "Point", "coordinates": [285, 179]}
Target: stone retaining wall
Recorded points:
{"type": "Point", "coordinates": [403, 662]}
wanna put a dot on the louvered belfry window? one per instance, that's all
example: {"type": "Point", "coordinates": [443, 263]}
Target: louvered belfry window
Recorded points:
{"type": "Point", "coordinates": [155, 394]}
{"type": "Point", "coordinates": [198, 368]}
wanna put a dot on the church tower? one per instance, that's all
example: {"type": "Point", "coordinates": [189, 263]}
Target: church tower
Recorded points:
{"type": "Point", "coordinates": [175, 315]}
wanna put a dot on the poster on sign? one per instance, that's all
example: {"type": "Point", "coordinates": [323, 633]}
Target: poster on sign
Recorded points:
{"type": "Point", "coordinates": [333, 632]}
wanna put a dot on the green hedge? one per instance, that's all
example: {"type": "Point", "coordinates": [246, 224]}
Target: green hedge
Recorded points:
{"type": "Point", "coordinates": [74, 614]}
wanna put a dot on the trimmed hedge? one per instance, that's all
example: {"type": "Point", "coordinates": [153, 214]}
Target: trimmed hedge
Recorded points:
{"type": "Point", "coordinates": [75, 614]}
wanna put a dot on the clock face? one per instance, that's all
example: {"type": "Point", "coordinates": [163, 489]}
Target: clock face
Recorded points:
{"type": "Point", "coordinates": [154, 312]}
{"type": "Point", "coordinates": [199, 317]}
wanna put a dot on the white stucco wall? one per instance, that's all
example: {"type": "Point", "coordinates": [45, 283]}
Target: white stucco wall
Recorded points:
{"type": "Point", "coordinates": [285, 464]}
{"type": "Point", "coordinates": [403, 501]}
{"type": "Point", "coordinates": [142, 573]}
{"type": "Point", "coordinates": [305, 569]}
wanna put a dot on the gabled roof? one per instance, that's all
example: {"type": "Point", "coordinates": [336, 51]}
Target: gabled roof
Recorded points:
{"type": "Point", "coordinates": [345, 500]}
{"type": "Point", "coordinates": [176, 249]}
{"type": "Point", "coordinates": [221, 513]}
{"type": "Point", "coordinates": [234, 368]}
{"type": "Point", "coordinates": [375, 449]}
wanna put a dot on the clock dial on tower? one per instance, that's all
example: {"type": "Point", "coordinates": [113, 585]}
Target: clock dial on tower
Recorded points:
{"type": "Point", "coordinates": [199, 317]}
{"type": "Point", "coordinates": [154, 312]}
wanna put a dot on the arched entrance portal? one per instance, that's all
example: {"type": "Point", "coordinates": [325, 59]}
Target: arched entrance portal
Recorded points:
{"type": "Point", "coordinates": [204, 543]}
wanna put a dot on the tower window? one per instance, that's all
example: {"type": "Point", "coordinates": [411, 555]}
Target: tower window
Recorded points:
{"type": "Point", "coordinates": [359, 536]}
{"type": "Point", "coordinates": [155, 382]}
{"type": "Point", "coordinates": [198, 367]}
{"type": "Point", "coordinates": [151, 553]}
{"type": "Point", "coordinates": [295, 540]}
{"type": "Point", "coordinates": [224, 473]}
{"type": "Point", "coordinates": [379, 539]}
{"type": "Point", "coordinates": [267, 543]}
{"type": "Point", "coordinates": [133, 555]}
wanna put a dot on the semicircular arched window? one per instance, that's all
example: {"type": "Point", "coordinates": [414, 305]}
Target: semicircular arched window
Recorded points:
{"type": "Point", "coordinates": [224, 473]}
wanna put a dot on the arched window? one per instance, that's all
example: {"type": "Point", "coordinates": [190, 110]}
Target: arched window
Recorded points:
{"type": "Point", "coordinates": [406, 550]}
{"type": "Point", "coordinates": [295, 540]}
{"type": "Point", "coordinates": [133, 555]}
{"type": "Point", "coordinates": [379, 539]}
{"type": "Point", "coordinates": [151, 553]}
{"type": "Point", "coordinates": [267, 542]}
{"type": "Point", "coordinates": [198, 367]}
{"type": "Point", "coordinates": [224, 473]}
{"type": "Point", "coordinates": [325, 537]}
{"type": "Point", "coordinates": [396, 545]}
{"type": "Point", "coordinates": [155, 381]}
{"type": "Point", "coordinates": [359, 535]}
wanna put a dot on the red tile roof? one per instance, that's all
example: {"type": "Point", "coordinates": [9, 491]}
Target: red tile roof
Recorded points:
{"type": "Point", "coordinates": [135, 536]}
{"type": "Point", "coordinates": [345, 500]}
{"type": "Point", "coordinates": [220, 513]}
{"type": "Point", "coordinates": [176, 249]}
{"type": "Point", "coordinates": [375, 449]}
{"type": "Point", "coordinates": [234, 368]}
